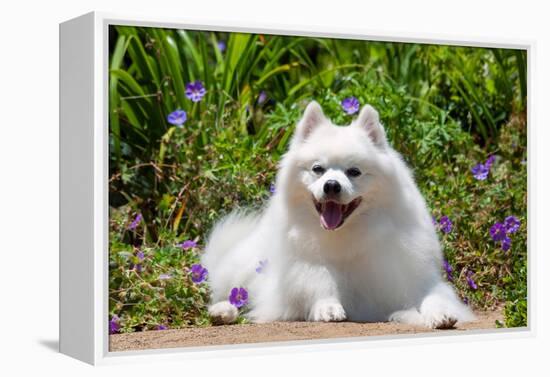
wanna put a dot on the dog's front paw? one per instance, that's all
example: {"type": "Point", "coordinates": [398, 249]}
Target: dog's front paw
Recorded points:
{"type": "Point", "coordinates": [328, 310]}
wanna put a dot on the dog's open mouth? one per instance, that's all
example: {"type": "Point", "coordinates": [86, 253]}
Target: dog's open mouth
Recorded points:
{"type": "Point", "coordinates": [333, 214]}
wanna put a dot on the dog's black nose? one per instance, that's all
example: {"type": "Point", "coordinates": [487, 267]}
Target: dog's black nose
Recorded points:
{"type": "Point", "coordinates": [332, 187]}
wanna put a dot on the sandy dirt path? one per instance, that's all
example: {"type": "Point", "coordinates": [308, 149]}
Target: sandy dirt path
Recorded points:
{"type": "Point", "coordinates": [276, 332]}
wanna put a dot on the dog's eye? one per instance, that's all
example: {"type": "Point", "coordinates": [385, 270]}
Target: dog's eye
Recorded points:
{"type": "Point", "coordinates": [318, 169]}
{"type": "Point", "coordinates": [353, 172]}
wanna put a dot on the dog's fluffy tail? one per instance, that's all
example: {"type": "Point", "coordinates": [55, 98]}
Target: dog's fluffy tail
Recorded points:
{"type": "Point", "coordinates": [225, 235]}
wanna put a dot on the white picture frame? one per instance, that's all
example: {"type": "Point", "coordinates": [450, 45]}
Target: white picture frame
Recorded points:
{"type": "Point", "coordinates": [84, 191]}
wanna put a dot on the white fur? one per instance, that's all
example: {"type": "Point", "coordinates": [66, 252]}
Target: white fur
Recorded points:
{"type": "Point", "coordinates": [223, 312]}
{"type": "Point", "coordinates": [382, 264]}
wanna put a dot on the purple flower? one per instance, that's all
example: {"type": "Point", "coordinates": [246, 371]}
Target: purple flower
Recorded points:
{"type": "Point", "coordinates": [350, 105]}
{"type": "Point", "coordinates": [480, 172]}
{"type": "Point", "coordinates": [133, 225]}
{"type": "Point", "coordinates": [221, 46]}
{"type": "Point", "coordinates": [465, 300]}
{"type": "Point", "coordinates": [165, 276]}
{"type": "Point", "coordinates": [262, 97]}
{"type": "Point", "coordinates": [195, 91]}
{"type": "Point", "coordinates": [198, 273]}
{"type": "Point", "coordinates": [448, 269]}
{"type": "Point", "coordinates": [272, 188]}
{"type": "Point", "coordinates": [261, 266]}
{"type": "Point", "coordinates": [177, 117]}
{"type": "Point", "coordinates": [186, 245]}
{"type": "Point", "coordinates": [490, 161]}
{"type": "Point", "coordinates": [238, 297]}
{"type": "Point", "coordinates": [498, 232]}
{"type": "Point", "coordinates": [139, 256]}
{"type": "Point", "coordinates": [506, 243]}
{"type": "Point", "coordinates": [471, 281]}
{"type": "Point", "coordinates": [162, 327]}
{"type": "Point", "coordinates": [434, 220]}
{"type": "Point", "coordinates": [114, 324]}
{"type": "Point", "coordinates": [446, 224]}
{"type": "Point", "coordinates": [511, 223]}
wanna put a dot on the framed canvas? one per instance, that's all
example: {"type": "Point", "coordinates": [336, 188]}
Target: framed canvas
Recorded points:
{"type": "Point", "coordinates": [229, 189]}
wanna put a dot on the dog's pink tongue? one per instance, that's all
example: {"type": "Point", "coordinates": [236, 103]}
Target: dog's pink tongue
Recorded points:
{"type": "Point", "coordinates": [331, 216]}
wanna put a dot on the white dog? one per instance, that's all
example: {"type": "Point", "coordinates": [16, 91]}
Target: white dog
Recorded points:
{"type": "Point", "coordinates": [347, 235]}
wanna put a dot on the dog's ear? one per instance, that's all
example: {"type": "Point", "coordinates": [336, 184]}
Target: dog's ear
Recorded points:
{"type": "Point", "coordinates": [313, 117]}
{"type": "Point", "coordinates": [369, 120]}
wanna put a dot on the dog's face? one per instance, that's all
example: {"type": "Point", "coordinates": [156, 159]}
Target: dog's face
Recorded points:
{"type": "Point", "coordinates": [334, 171]}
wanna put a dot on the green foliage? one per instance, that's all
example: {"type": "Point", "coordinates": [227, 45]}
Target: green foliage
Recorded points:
{"type": "Point", "coordinates": [156, 289]}
{"type": "Point", "coordinates": [474, 207]}
{"type": "Point", "coordinates": [444, 108]}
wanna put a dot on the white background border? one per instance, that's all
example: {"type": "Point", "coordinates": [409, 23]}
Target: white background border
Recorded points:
{"type": "Point", "coordinates": [103, 20]}
{"type": "Point", "coordinates": [29, 188]}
